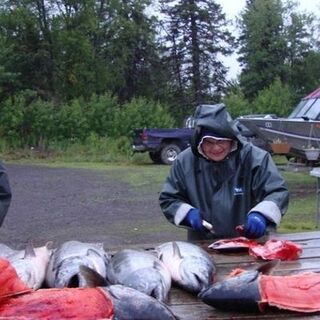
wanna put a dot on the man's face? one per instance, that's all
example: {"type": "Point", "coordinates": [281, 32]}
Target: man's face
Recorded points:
{"type": "Point", "coordinates": [216, 150]}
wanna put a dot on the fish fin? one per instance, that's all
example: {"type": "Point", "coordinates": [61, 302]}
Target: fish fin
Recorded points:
{"type": "Point", "coordinates": [93, 278]}
{"type": "Point", "coordinates": [267, 268]}
{"type": "Point", "coordinates": [94, 252]}
{"type": "Point", "coordinates": [176, 250]}
{"type": "Point", "coordinates": [49, 245]}
{"type": "Point", "coordinates": [29, 250]}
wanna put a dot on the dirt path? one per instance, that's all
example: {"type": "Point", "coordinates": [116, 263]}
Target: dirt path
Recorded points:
{"type": "Point", "coordinates": [60, 204]}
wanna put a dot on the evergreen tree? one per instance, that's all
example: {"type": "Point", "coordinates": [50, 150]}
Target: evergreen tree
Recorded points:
{"type": "Point", "coordinates": [195, 34]}
{"type": "Point", "coordinates": [131, 52]}
{"type": "Point", "coordinates": [276, 42]}
{"type": "Point", "coordinates": [262, 45]}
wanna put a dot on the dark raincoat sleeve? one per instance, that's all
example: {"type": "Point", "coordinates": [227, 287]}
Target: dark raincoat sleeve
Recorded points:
{"type": "Point", "coordinates": [269, 188]}
{"type": "Point", "coordinates": [173, 195]}
{"type": "Point", "coordinates": [5, 193]}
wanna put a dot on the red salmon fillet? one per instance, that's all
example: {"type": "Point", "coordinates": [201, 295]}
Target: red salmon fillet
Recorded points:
{"type": "Point", "coordinates": [276, 249]}
{"type": "Point", "coordinates": [299, 292]}
{"type": "Point", "coordinates": [66, 303]}
{"type": "Point", "coordinates": [10, 283]}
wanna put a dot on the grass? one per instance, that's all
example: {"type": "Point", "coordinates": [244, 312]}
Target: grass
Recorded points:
{"type": "Point", "coordinates": [147, 178]}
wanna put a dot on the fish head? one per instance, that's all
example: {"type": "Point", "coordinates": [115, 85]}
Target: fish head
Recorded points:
{"type": "Point", "coordinates": [240, 292]}
{"type": "Point", "coordinates": [129, 303]}
{"type": "Point", "coordinates": [150, 282]}
{"type": "Point", "coordinates": [67, 273]}
{"type": "Point", "coordinates": [196, 273]}
{"type": "Point", "coordinates": [235, 293]}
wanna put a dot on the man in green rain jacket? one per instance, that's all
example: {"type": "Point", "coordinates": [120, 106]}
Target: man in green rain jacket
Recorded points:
{"type": "Point", "coordinates": [223, 180]}
{"type": "Point", "coordinates": [5, 193]}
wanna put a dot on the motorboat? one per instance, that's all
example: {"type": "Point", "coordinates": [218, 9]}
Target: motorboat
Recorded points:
{"type": "Point", "coordinates": [300, 130]}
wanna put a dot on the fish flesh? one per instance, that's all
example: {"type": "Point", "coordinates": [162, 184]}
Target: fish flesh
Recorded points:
{"type": "Point", "coordinates": [10, 283]}
{"type": "Point", "coordinates": [276, 249]}
{"type": "Point", "coordinates": [31, 264]}
{"type": "Point", "coordinates": [114, 302]}
{"type": "Point", "coordinates": [272, 249]}
{"type": "Point", "coordinates": [140, 270]}
{"type": "Point", "coordinates": [189, 265]}
{"type": "Point", "coordinates": [255, 290]}
{"type": "Point", "coordinates": [63, 268]}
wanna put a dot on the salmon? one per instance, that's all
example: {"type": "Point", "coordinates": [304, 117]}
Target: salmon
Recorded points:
{"type": "Point", "coordinates": [189, 265]}
{"type": "Point", "coordinates": [256, 290]}
{"type": "Point", "coordinates": [31, 264]}
{"type": "Point", "coordinates": [116, 302]}
{"type": "Point", "coordinates": [63, 268]}
{"type": "Point", "coordinates": [140, 270]}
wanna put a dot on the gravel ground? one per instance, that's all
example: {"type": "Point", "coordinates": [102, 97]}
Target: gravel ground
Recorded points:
{"type": "Point", "coordinates": [60, 204]}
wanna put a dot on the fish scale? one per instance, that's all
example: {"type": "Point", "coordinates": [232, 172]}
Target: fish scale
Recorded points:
{"type": "Point", "coordinates": [189, 265]}
{"type": "Point", "coordinates": [140, 270]}
{"type": "Point", "coordinates": [63, 269]}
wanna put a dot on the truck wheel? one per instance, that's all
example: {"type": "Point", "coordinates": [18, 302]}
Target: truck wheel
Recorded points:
{"type": "Point", "coordinates": [155, 157]}
{"type": "Point", "coordinates": [169, 153]}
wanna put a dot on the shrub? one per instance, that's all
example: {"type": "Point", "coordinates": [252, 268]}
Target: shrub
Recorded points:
{"type": "Point", "coordinates": [277, 99]}
{"type": "Point", "coordinates": [140, 113]}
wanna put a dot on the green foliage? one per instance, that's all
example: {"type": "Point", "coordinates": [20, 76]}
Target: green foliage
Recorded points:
{"type": "Point", "coordinates": [100, 114]}
{"type": "Point", "coordinates": [39, 123]}
{"type": "Point", "coordinates": [196, 34]}
{"type": "Point", "coordinates": [275, 42]}
{"type": "Point", "coordinates": [11, 120]}
{"type": "Point", "coordinates": [71, 122]}
{"type": "Point", "coordinates": [263, 45]}
{"type": "Point", "coordinates": [277, 99]}
{"type": "Point", "coordinates": [29, 122]}
{"type": "Point", "coordinates": [140, 113]}
{"type": "Point", "coordinates": [236, 104]}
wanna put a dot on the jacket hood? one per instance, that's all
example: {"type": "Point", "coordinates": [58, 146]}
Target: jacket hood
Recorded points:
{"type": "Point", "coordinates": [216, 119]}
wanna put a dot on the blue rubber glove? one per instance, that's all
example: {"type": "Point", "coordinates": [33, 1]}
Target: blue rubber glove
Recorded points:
{"type": "Point", "coordinates": [194, 220]}
{"type": "Point", "coordinates": [256, 225]}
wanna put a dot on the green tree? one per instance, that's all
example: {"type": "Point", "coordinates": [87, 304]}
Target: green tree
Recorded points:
{"type": "Point", "coordinates": [277, 41]}
{"type": "Point", "coordinates": [196, 34]}
{"type": "Point", "coordinates": [28, 57]}
{"type": "Point", "coordinates": [276, 99]}
{"type": "Point", "coordinates": [262, 45]}
{"type": "Point", "coordinates": [131, 51]}
{"type": "Point", "coordinates": [300, 36]}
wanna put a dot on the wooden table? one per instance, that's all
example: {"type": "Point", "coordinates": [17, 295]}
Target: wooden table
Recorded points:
{"type": "Point", "coordinates": [188, 307]}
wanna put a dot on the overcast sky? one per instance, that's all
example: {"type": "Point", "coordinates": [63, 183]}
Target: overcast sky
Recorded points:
{"type": "Point", "coordinates": [232, 8]}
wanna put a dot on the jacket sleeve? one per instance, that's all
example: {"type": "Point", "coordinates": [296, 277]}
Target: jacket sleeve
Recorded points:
{"type": "Point", "coordinates": [5, 193]}
{"type": "Point", "coordinates": [269, 189]}
{"type": "Point", "coordinates": [173, 196]}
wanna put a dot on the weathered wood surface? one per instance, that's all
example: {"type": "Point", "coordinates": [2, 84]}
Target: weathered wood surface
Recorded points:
{"type": "Point", "coordinates": [188, 307]}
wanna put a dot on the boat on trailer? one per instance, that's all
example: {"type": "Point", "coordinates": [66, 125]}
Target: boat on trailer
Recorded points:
{"type": "Point", "coordinates": [300, 131]}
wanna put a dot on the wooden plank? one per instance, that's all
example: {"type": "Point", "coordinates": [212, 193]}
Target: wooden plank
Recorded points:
{"type": "Point", "coordinates": [201, 311]}
{"type": "Point", "coordinates": [296, 236]}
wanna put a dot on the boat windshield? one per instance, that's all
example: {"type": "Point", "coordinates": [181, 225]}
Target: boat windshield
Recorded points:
{"type": "Point", "coordinates": [309, 108]}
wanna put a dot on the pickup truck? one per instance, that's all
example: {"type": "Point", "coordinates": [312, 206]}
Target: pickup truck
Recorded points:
{"type": "Point", "coordinates": [163, 145]}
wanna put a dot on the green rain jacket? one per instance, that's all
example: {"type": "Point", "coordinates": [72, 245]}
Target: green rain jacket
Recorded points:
{"type": "Point", "coordinates": [5, 193]}
{"type": "Point", "coordinates": [226, 191]}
